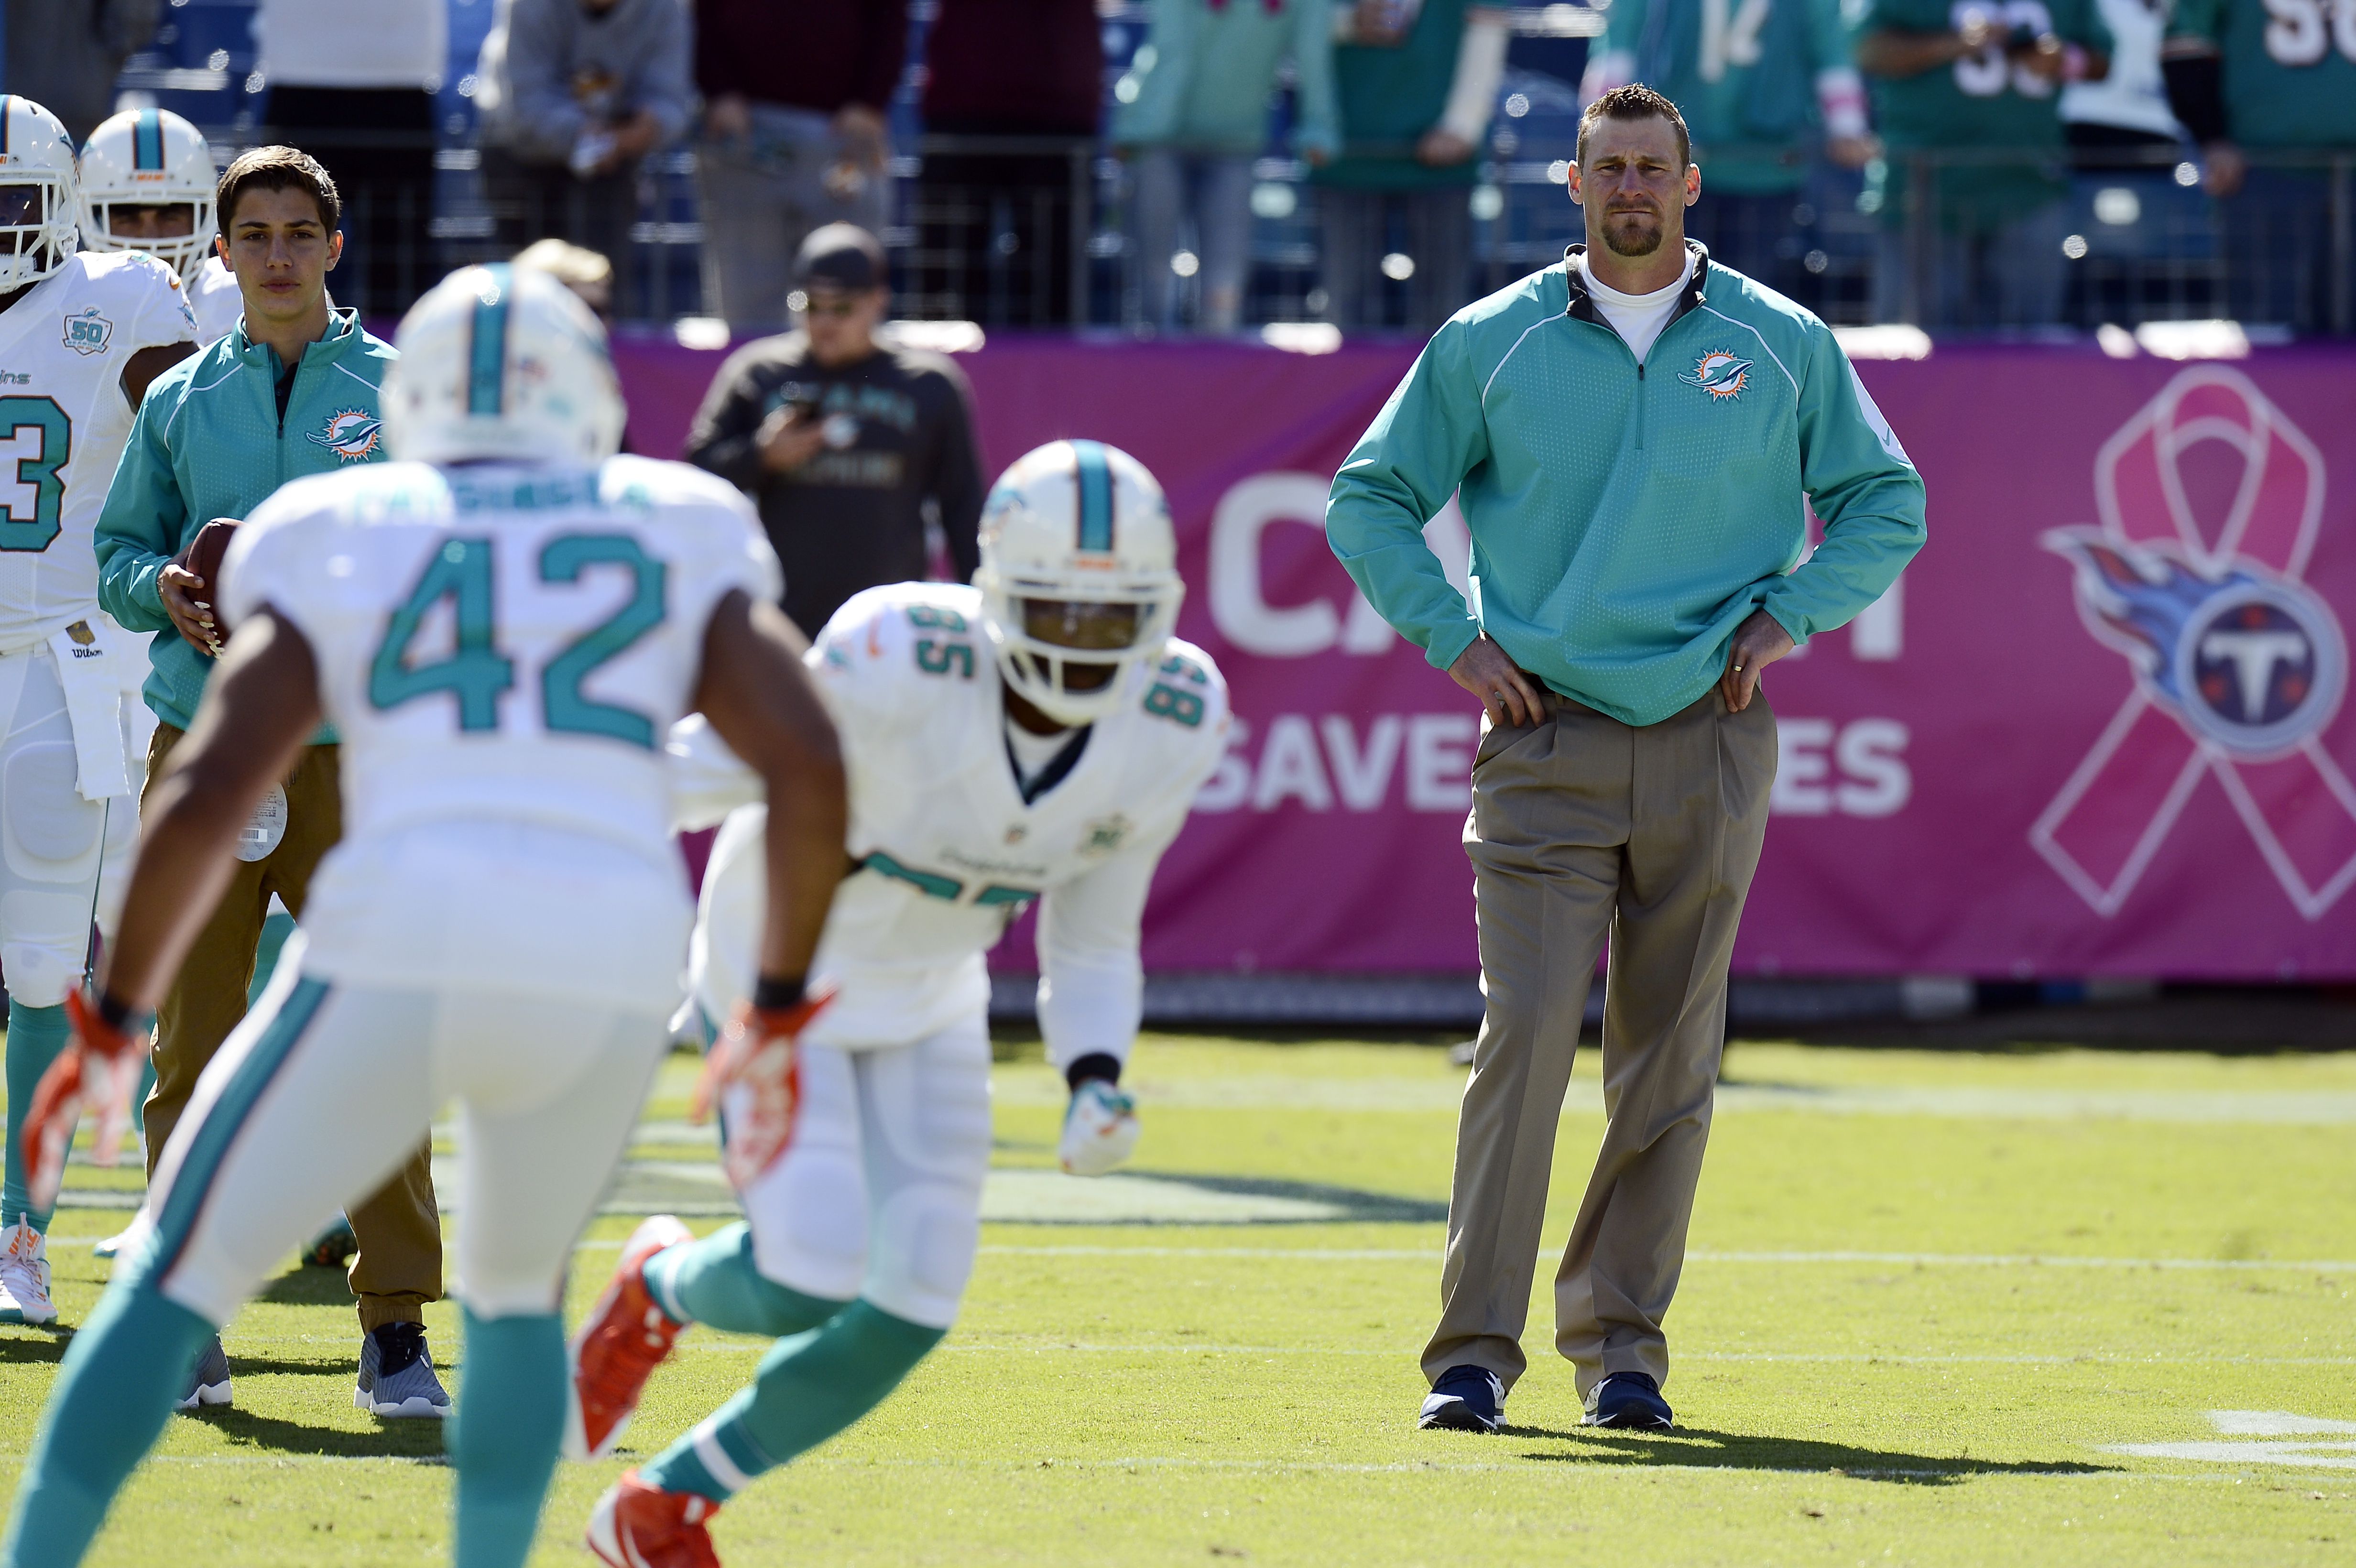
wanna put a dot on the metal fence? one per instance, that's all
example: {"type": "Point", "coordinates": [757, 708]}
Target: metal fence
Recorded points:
{"type": "Point", "coordinates": [1030, 232]}
{"type": "Point", "coordinates": [1952, 241]}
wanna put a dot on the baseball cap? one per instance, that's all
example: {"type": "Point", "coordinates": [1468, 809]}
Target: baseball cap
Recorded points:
{"type": "Point", "coordinates": [842, 256]}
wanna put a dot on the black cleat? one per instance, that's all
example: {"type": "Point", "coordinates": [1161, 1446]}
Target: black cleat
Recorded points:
{"type": "Point", "coordinates": [1465, 1398]}
{"type": "Point", "coordinates": [1628, 1400]}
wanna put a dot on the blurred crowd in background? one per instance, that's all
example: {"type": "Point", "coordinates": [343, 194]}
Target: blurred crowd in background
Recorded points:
{"type": "Point", "coordinates": [2017, 166]}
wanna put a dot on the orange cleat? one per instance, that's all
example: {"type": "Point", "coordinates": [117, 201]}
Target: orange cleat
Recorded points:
{"type": "Point", "coordinates": [636, 1524]}
{"type": "Point", "coordinates": [624, 1339]}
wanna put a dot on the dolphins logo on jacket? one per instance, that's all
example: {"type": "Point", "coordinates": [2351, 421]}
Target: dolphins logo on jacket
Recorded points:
{"type": "Point", "coordinates": [1719, 374]}
{"type": "Point", "coordinates": [352, 434]}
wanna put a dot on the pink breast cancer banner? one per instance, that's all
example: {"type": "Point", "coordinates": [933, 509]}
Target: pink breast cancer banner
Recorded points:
{"type": "Point", "coordinates": [2099, 727]}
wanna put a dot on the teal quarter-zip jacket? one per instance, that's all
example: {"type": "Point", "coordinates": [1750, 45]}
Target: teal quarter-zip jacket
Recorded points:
{"type": "Point", "coordinates": [1627, 518]}
{"type": "Point", "coordinates": [211, 442]}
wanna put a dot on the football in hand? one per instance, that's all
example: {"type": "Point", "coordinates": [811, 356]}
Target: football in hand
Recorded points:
{"type": "Point", "coordinates": [204, 553]}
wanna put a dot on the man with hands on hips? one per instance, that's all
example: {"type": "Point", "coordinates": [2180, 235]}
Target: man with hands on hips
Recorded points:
{"type": "Point", "coordinates": [1634, 436]}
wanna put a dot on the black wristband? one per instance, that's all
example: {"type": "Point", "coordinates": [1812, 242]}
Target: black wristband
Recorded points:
{"type": "Point", "coordinates": [113, 1011]}
{"type": "Point", "coordinates": [1094, 1064]}
{"type": "Point", "coordinates": [775, 993]}
{"type": "Point", "coordinates": [2196, 92]}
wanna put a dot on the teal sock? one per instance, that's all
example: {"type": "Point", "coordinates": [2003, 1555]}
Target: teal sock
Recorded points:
{"type": "Point", "coordinates": [714, 1282]}
{"type": "Point", "coordinates": [139, 1097]}
{"type": "Point", "coordinates": [36, 1036]}
{"type": "Point", "coordinates": [274, 933]}
{"type": "Point", "coordinates": [808, 1389]}
{"type": "Point", "coordinates": [121, 1378]}
{"type": "Point", "coordinates": [504, 1435]}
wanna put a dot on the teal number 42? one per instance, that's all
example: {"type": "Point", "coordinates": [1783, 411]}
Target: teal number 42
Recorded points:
{"type": "Point", "coordinates": [478, 674]}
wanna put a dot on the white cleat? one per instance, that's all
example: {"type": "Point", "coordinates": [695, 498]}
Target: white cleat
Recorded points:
{"type": "Point", "coordinates": [125, 1241]}
{"type": "Point", "coordinates": [1099, 1129]}
{"type": "Point", "coordinates": [25, 1277]}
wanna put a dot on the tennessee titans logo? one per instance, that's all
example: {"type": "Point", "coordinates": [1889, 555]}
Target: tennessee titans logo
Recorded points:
{"type": "Point", "coordinates": [2250, 660]}
{"type": "Point", "coordinates": [352, 434]}
{"type": "Point", "coordinates": [1719, 374]}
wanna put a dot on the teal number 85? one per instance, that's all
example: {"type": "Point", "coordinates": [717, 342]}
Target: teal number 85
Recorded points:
{"type": "Point", "coordinates": [478, 674]}
{"type": "Point", "coordinates": [33, 534]}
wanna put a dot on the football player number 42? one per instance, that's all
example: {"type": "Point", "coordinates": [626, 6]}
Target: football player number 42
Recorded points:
{"type": "Point", "coordinates": [51, 433]}
{"type": "Point", "coordinates": [478, 674]}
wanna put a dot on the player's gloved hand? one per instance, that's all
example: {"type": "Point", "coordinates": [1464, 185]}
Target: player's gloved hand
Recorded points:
{"type": "Point", "coordinates": [755, 1071]}
{"type": "Point", "coordinates": [84, 1073]}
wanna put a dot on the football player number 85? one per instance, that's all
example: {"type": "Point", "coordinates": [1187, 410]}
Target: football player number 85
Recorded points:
{"type": "Point", "coordinates": [476, 674]}
{"type": "Point", "coordinates": [36, 471]}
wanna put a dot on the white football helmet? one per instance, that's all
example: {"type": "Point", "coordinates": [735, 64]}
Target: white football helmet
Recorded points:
{"type": "Point", "coordinates": [148, 158]}
{"type": "Point", "coordinates": [36, 193]}
{"type": "Point", "coordinates": [502, 361]}
{"type": "Point", "coordinates": [1076, 522]}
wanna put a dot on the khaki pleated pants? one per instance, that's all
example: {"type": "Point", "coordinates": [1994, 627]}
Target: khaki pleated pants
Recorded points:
{"type": "Point", "coordinates": [1586, 834]}
{"type": "Point", "coordinates": [397, 1268]}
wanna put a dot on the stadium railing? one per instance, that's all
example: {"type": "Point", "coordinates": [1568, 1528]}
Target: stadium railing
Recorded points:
{"type": "Point", "coordinates": [2140, 241]}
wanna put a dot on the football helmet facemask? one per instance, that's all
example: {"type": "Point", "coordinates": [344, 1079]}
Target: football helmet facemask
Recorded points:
{"type": "Point", "coordinates": [1079, 577]}
{"type": "Point", "coordinates": [36, 193]}
{"type": "Point", "coordinates": [148, 158]}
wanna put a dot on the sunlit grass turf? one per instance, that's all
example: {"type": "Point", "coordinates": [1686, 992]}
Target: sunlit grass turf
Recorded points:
{"type": "Point", "coordinates": [1199, 1393]}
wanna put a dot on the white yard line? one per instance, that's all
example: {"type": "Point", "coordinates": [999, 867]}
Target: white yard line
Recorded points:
{"type": "Point", "coordinates": [1704, 1255]}
{"type": "Point", "coordinates": [1604, 1462]}
{"type": "Point", "coordinates": [1699, 1256]}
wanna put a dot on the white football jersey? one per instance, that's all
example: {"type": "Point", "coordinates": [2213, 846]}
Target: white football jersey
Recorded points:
{"type": "Point", "coordinates": [947, 850]}
{"type": "Point", "coordinates": [214, 303]}
{"type": "Point", "coordinates": [63, 423]}
{"type": "Point", "coordinates": [503, 648]}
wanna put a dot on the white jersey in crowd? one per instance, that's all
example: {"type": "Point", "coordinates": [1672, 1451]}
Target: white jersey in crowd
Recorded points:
{"type": "Point", "coordinates": [947, 850]}
{"type": "Point", "coordinates": [503, 648]}
{"type": "Point", "coordinates": [63, 423]}
{"type": "Point", "coordinates": [214, 303]}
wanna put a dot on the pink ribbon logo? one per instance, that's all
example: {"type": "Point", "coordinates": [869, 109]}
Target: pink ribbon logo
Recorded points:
{"type": "Point", "coordinates": [2238, 666]}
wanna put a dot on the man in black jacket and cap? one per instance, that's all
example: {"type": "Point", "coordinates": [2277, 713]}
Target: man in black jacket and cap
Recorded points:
{"type": "Point", "coordinates": [845, 443]}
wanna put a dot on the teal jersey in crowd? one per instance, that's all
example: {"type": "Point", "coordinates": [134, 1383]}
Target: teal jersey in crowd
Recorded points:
{"type": "Point", "coordinates": [2290, 68]}
{"type": "Point", "coordinates": [209, 442]}
{"type": "Point", "coordinates": [1742, 72]}
{"type": "Point", "coordinates": [1981, 102]}
{"type": "Point", "coordinates": [1625, 518]}
{"type": "Point", "coordinates": [1202, 79]}
{"type": "Point", "coordinates": [1389, 97]}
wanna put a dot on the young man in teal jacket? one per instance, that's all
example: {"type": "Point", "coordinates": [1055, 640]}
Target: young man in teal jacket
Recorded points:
{"type": "Point", "coordinates": [1634, 436]}
{"type": "Point", "coordinates": [292, 391]}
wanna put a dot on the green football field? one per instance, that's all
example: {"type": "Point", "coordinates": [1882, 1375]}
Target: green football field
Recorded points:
{"type": "Point", "coordinates": [2049, 1306]}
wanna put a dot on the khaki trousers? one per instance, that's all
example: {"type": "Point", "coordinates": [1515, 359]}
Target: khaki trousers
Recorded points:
{"type": "Point", "coordinates": [399, 1266]}
{"type": "Point", "coordinates": [1587, 832]}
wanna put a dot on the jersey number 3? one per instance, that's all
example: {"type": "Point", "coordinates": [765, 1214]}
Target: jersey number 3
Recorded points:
{"type": "Point", "coordinates": [37, 471]}
{"type": "Point", "coordinates": [477, 674]}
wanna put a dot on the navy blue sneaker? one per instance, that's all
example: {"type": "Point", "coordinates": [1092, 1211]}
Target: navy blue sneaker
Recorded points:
{"type": "Point", "coordinates": [1465, 1398]}
{"type": "Point", "coordinates": [1627, 1400]}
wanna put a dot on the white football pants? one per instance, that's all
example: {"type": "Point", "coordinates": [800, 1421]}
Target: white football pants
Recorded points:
{"type": "Point", "coordinates": [52, 841]}
{"type": "Point", "coordinates": [879, 1195]}
{"type": "Point", "coordinates": [324, 1089]}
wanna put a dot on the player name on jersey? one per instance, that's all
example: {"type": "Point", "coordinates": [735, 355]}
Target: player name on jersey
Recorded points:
{"type": "Point", "coordinates": [948, 849]}
{"type": "Point", "coordinates": [502, 649]}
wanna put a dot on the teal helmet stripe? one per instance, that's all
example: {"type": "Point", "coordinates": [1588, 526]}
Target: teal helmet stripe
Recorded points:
{"type": "Point", "coordinates": [1095, 476]}
{"type": "Point", "coordinates": [487, 354]}
{"type": "Point", "coordinates": [147, 141]}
